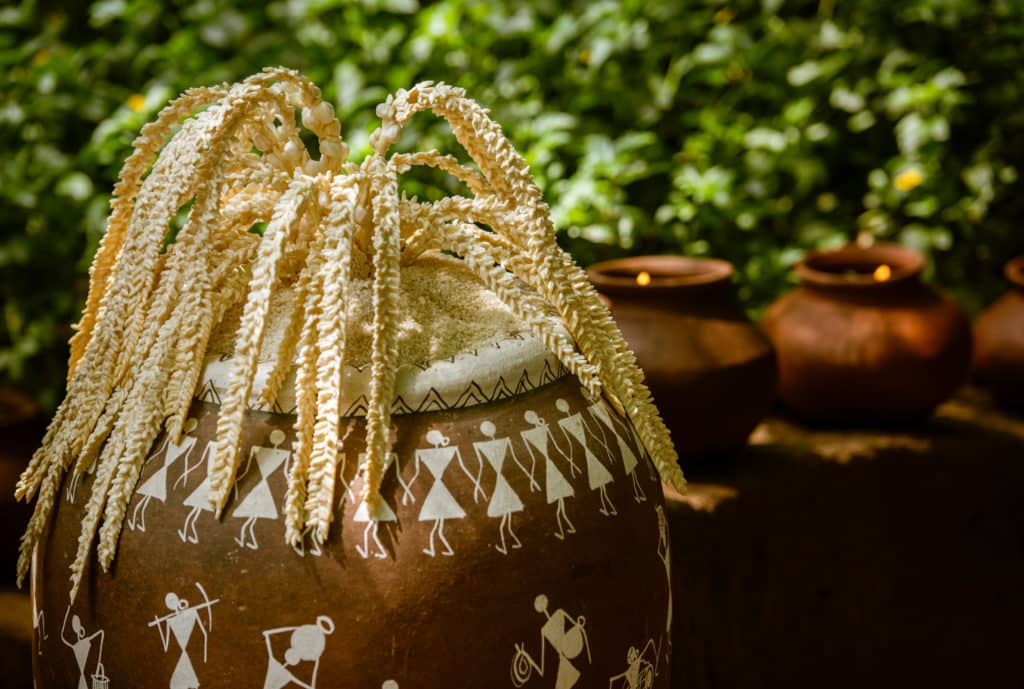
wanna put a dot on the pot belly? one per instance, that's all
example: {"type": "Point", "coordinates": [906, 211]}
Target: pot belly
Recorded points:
{"type": "Point", "coordinates": [512, 549]}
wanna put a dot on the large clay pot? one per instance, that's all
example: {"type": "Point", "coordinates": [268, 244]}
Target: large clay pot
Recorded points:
{"type": "Point", "coordinates": [711, 371]}
{"type": "Point", "coordinates": [862, 339]}
{"type": "Point", "coordinates": [999, 341]}
{"type": "Point", "coordinates": [523, 543]}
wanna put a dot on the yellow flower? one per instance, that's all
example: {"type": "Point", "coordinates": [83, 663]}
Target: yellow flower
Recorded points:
{"type": "Point", "coordinates": [909, 179]}
{"type": "Point", "coordinates": [724, 15]}
{"type": "Point", "coordinates": [137, 102]}
{"type": "Point", "coordinates": [736, 73]}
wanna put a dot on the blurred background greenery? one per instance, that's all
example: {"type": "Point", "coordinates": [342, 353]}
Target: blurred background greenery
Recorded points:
{"type": "Point", "coordinates": [750, 131]}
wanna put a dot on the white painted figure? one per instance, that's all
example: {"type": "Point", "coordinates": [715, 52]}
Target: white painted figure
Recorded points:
{"type": "Point", "coordinates": [382, 512]}
{"type": "Point", "coordinates": [664, 552]}
{"type": "Point", "coordinates": [314, 547]}
{"type": "Point", "coordinates": [599, 410]}
{"type": "Point", "coordinates": [39, 626]}
{"type": "Point", "coordinates": [81, 645]}
{"type": "Point", "coordinates": [566, 635]}
{"type": "Point", "coordinates": [74, 480]}
{"type": "Point", "coordinates": [156, 485]}
{"type": "Point", "coordinates": [306, 644]}
{"type": "Point", "coordinates": [180, 623]}
{"type": "Point", "coordinates": [504, 500]}
{"type": "Point", "coordinates": [439, 505]}
{"type": "Point", "coordinates": [640, 671]}
{"type": "Point", "coordinates": [198, 499]}
{"type": "Point", "coordinates": [259, 503]}
{"type": "Point", "coordinates": [539, 439]}
{"type": "Point", "coordinates": [598, 476]}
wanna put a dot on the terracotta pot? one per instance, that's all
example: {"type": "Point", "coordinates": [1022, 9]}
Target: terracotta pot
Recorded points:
{"type": "Point", "coordinates": [862, 339]}
{"type": "Point", "coordinates": [999, 341]}
{"type": "Point", "coordinates": [711, 371]}
{"type": "Point", "coordinates": [523, 544]}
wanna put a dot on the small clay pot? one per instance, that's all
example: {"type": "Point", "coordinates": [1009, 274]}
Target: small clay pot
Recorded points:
{"type": "Point", "coordinates": [999, 341]}
{"type": "Point", "coordinates": [863, 340]}
{"type": "Point", "coordinates": [711, 371]}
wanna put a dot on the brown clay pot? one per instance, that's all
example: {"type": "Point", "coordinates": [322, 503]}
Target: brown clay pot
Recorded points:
{"type": "Point", "coordinates": [856, 348]}
{"type": "Point", "coordinates": [711, 371]}
{"type": "Point", "coordinates": [523, 544]}
{"type": "Point", "coordinates": [999, 341]}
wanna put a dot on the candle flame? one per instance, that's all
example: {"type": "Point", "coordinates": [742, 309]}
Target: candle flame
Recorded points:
{"type": "Point", "coordinates": [882, 273]}
{"type": "Point", "coordinates": [643, 278]}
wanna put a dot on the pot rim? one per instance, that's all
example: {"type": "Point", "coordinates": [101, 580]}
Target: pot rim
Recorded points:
{"type": "Point", "coordinates": [668, 272]}
{"type": "Point", "coordinates": [828, 268]}
{"type": "Point", "coordinates": [1014, 272]}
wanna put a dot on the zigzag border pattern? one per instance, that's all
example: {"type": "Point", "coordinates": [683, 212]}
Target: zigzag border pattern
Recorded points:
{"type": "Point", "coordinates": [455, 382]}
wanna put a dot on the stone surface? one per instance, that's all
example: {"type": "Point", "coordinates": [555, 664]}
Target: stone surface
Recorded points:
{"type": "Point", "coordinates": [855, 558]}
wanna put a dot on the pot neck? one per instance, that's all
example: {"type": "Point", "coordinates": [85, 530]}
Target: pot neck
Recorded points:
{"type": "Point", "coordinates": [862, 270]}
{"type": "Point", "coordinates": [662, 278]}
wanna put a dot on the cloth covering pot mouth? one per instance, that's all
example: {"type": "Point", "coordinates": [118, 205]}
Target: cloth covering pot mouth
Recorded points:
{"type": "Point", "coordinates": [510, 365]}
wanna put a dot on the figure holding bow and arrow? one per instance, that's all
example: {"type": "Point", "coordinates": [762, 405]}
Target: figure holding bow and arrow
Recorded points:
{"type": "Point", "coordinates": [181, 622]}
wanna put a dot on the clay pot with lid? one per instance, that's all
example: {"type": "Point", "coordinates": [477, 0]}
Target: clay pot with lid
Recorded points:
{"type": "Point", "coordinates": [999, 341]}
{"type": "Point", "coordinates": [711, 371]}
{"type": "Point", "coordinates": [862, 339]}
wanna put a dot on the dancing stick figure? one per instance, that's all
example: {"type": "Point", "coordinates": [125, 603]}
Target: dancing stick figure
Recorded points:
{"type": "Point", "coordinates": [156, 485]}
{"type": "Point", "coordinates": [39, 626]}
{"type": "Point", "coordinates": [566, 635]}
{"type": "Point", "coordinates": [306, 645]}
{"type": "Point", "coordinates": [640, 672]}
{"type": "Point", "coordinates": [198, 499]}
{"type": "Point", "coordinates": [74, 481]}
{"type": "Point", "coordinates": [664, 552]}
{"type": "Point", "coordinates": [81, 646]}
{"type": "Point", "coordinates": [599, 410]}
{"type": "Point", "coordinates": [259, 503]}
{"type": "Point", "coordinates": [558, 488]}
{"type": "Point", "coordinates": [439, 504]}
{"type": "Point", "coordinates": [381, 512]}
{"type": "Point", "coordinates": [180, 623]}
{"type": "Point", "coordinates": [598, 476]}
{"type": "Point", "coordinates": [504, 500]}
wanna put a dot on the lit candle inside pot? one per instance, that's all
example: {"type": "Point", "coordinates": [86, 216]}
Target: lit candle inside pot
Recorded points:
{"type": "Point", "coordinates": [710, 370]}
{"type": "Point", "coordinates": [863, 339]}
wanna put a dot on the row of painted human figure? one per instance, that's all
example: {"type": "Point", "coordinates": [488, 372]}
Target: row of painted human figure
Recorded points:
{"type": "Point", "coordinates": [294, 665]}
{"type": "Point", "coordinates": [604, 433]}
{"type": "Point", "coordinates": [299, 663]}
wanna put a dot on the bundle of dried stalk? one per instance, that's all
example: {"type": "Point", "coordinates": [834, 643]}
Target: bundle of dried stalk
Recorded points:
{"type": "Point", "coordinates": [235, 154]}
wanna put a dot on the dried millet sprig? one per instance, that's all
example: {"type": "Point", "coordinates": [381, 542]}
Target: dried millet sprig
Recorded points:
{"type": "Point", "coordinates": [240, 159]}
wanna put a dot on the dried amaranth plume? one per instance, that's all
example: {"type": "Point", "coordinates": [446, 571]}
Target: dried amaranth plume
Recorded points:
{"type": "Point", "coordinates": [238, 158]}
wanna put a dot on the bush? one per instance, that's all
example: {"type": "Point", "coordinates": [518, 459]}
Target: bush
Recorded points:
{"type": "Point", "coordinates": [749, 131]}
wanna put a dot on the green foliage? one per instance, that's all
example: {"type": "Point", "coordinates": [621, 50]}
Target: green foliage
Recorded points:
{"type": "Point", "coordinates": [745, 130]}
